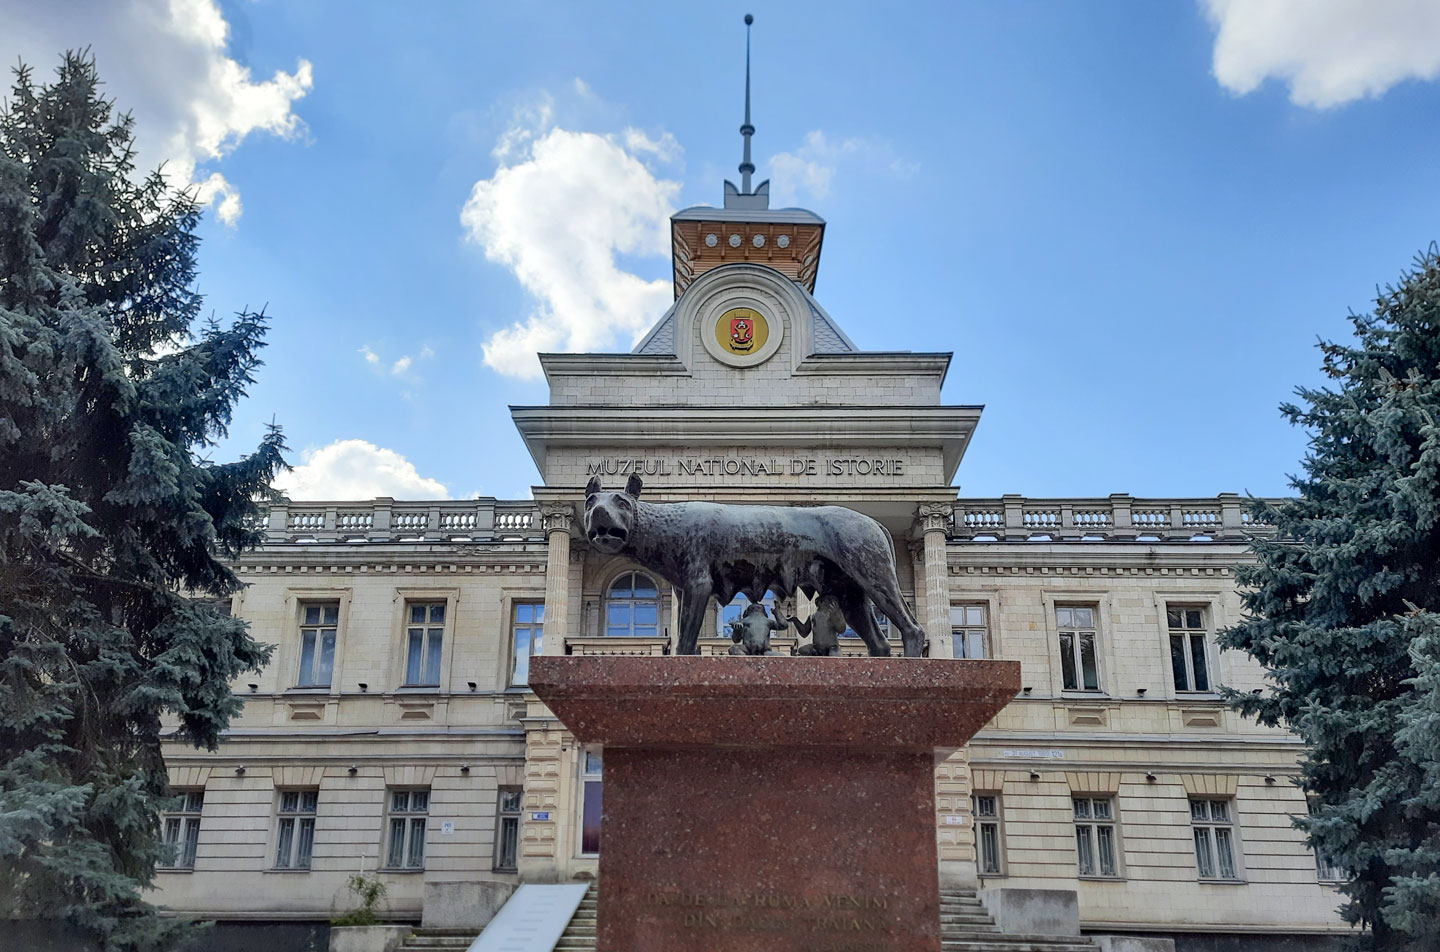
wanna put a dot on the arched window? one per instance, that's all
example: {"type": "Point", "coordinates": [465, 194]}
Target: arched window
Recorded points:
{"type": "Point", "coordinates": [736, 608]}
{"type": "Point", "coordinates": [632, 607]}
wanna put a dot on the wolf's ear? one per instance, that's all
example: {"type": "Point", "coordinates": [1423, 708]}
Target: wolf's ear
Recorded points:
{"type": "Point", "coordinates": [592, 487]}
{"type": "Point", "coordinates": [633, 484]}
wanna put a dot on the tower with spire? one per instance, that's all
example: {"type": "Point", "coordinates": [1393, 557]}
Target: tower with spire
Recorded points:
{"type": "Point", "coordinates": [746, 228]}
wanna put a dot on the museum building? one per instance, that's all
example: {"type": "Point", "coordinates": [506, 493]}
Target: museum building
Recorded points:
{"type": "Point", "coordinates": [393, 732]}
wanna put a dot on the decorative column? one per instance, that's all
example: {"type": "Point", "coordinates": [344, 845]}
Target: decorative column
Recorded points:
{"type": "Point", "coordinates": [558, 518]}
{"type": "Point", "coordinates": [934, 519]}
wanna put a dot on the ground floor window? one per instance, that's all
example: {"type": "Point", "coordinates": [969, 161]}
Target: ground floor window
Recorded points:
{"type": "Point", "coordinates": [295, 828]}
{"type": "Point", "coordinates": [507, 829]}
{"type": "Point", "coordinates": [1095, 836]}
{"type": "Point", "coordinates": [590, 804]}
{"type": "Point", "coordinates": [408, 818]}
{"type": "Point", "coordinates": [1328, 869]}
{"type": "Point", "coordinates": [182, 828]}
{"type": "Point", "coordinates": [986, 807]}
{"type": "Point", "coordinates": [1214, 830]}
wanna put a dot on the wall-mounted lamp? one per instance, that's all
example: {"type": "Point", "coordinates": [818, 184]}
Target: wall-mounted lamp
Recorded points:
{"type": "Point", "coordinates": [472, 685]}
{"type": "Point", "coordinates": [353, 770]}
{"type": "Point", "coordinates": [364, 687]}
{"type": "Point", "coordinates": [253, 687]}
{"type": "Point", "coordinates": [1034, 775]}
{"type": "Point", "coordinates": [239, 770]}
{"type": "Point", "coordinates": [1269, 779]}
{"type": "Point", "coordinates": [464, 768]}
{"type": "Point", "coordinates": [1149, 778]}
{"type": "Point", "coordinates": [1026, 689]}
{"type": "Point", "coordinates": [1140, 692]}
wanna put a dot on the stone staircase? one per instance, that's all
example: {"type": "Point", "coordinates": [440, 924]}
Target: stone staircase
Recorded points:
{"type": "Point", "coordinates": [438, 940]}
{"type": "Point", "coordinates": [579, 935]}
{"type": "Point", "coordinates": [965, 926]}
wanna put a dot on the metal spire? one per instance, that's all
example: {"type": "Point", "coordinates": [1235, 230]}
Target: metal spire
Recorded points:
{"type": "Point", "coordinates": [747, 130]}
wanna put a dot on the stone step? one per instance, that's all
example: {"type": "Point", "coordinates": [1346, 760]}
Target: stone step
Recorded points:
{"type": "Point", "coordinates": [1017, 943]}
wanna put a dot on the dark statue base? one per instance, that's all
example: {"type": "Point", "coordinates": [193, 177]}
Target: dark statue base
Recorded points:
{"type": "Point", "coordinates": [762, 804]}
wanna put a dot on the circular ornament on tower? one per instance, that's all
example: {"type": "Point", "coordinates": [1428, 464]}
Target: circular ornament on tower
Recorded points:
{"type": "Point", "coordinates": [711, 240]}
{"type": "Point", "coordinates": [783, 241]}
{"type": "Point", "coordinates": [758, 241]}
{"type": "Point", "coordinates": [734, 241]}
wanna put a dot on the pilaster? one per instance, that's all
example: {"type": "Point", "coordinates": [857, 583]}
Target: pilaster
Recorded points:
{"type": "Point", "coordinates": [558, 518]}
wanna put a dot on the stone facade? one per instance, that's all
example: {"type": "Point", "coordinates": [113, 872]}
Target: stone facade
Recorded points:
{"type": "Point", "coordinates": [1088, 781]}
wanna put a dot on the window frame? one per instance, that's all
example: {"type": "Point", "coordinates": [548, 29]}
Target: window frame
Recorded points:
{"type": "Point", "coordinates": [536, 646]}
{"type": "Point", "coordinates": [287, 659]}
{"type": "Point", "coordinates": [1092, 824]}
{"type": "Point", "coordinates": [1190, 635]}
{"type": "Point", "coordinates": [966, 631]}
{"type": "Point", "coordinates": [1212, 827]}
{"type": "Point", "coordinates": [411, 818]}
{"type": "Point", "coordinates": [1338, 874]}
{"type": "Point", "coordinates": [295, 818]}
{"type": "Point", "coordinates": [588, 779]}
{"type": "Point", "coordinates": [303, 605]}
{"type": "Point", "coordinates": [503, 814]}
{"type": "Point", "coordinates": [1077, 633]}
{"type": "Point", "coordinates": [632, 601]}
{"type": "Point", "coordinates": [187, 819]}
{"type": "Point", "coordinates": [427, 628]}
{"type": "Point", "coordinates": [997, 820]}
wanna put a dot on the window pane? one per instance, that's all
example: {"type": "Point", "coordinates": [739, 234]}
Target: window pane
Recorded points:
{"type": "Point", "coordinates": [593, 762]}
{"type": "Point", "coordinates": [1067, 661]}
{"type": "Point", "coordinates": [617, 614]}
{"type": "Point", "coordinates": [644, 587]}
{"type": "Point", "coordinates": [192, 839]}
{"type": "Point", "coordinates": [975, 615]}
{"type": "Point", "coordinates": [312, 614]}
{"type": "Point", "coordinates": [1197, 656]}
{"type": "Point", "coordinates": [282, 845]}
{"type": "Point", "coordinates": [332, 615]}
{"type": "Point", "coordinates": [1085, 851]}
{"type": "Point", "coordinates": [510, 801]}
{"type": "Point", "coordinates": [1224, 853]}
{"type": "Point", "coordinates": [420, 801]}
{"type": "Point", "coordinates": [417, 614]}
{"type": "Point", "coordinates": [985, 806]}
{"type": "Point", "coordinates": [1087, 662]}
{"type": "Point", "coordinates": [957, 645]}
{"type": "Point", "coordinates": [1203, 863]}
{"type": "Point", "coordinates": [400, 801]}
{"type": "Point", "coordinates": [506, 848]}
{"type": "Point", "coordinates": [437, 613]}
{"type": "Point", "coordinates": [307, 657]}
{"type": "Point", "coordinates": [1063, 618]}
{"type": "Point", "coordinates": [1177, 662]}
{"type": "Point", "coordinates": [524, 611]}
{"type": "Point", "coordinates": [1192, 618]}
{"type": "Point", "coordinates": [172, 830]}
{"type": "Point", "coordinates": [289, 801]}
{"type": "Point", "coordinates": [989, 848]}
{"type": "Point", "coordinates": [306, 843]}
{"type": "Point", "coordinates": [957, 616]}
{"type": "Point", "coordinates": [412, 656]}
{"type": "Point", "coordinates": [432, 656]}
{"type": "Point", "coordinates": [396, 855]}
{"type": "Point", "coordinates": [1084, 617]}
{"type": "Point", "coordinates": [646, 613]}
{"type": "Point", "coordinates": [1172, 617]}
{"type": "Point", "coordinates": [1220, 810]}
{"type": "Point", "coordinates": [416, 858]}
{"type": "Point", "coordinates": [521, 672]}
{"type": "Point", "coordinates": [1198, 810]}
{"type": "Point", "coordinates": [1102, 809]}
{"type": "Point", "coordinates": [590, 818]}
{"type": "Point", "coordinates": [308, 800]}
{"type": "Point", "coordinates": [195, 801]}
{"type": "Point", "coordinates": [327, 657]}
{"type": "Point", "coordinates": [1106, 836]}
{"type": "Point", "coordinates": [540, 611]}
{"type": "Point", "coordinates": [621, 587]}
{"type": "Point", "coordinates": [977, 645]}
{"type": "Point", "coordinates": [1082, 809]}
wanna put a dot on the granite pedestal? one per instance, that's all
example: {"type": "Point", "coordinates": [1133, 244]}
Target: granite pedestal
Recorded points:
{"type": "Point", "coordinates": [770, 804]}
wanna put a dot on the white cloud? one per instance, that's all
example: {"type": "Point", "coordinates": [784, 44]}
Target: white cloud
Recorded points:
{"type": "Point", "coordinates": [558, 210]}
{"type": "Point", "coordinates": [399, 367]}
{"type": "Point", "coordinates": [1329, 51]}
{"type": "Point", "coordinates": [167, 62]}
{"type": "Point", "coordinates": [356, 469]}
{"type": "Point", "coordinates": [809, 172]}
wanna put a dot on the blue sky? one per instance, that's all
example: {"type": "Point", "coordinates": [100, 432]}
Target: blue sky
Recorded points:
{"type": "Point", "coordinates": [1130, 220]}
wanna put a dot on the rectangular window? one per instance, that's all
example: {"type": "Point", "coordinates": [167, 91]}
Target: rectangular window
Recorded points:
{"type": "Point", "coordinates": [295, 829]}
{"type": "Point", "coordinates": [507, 829]}
{"type": "Point", "coordinates": [986, 807]}
{"type": "Point", "coordinates": [405, 843]}
{"type": "Point", "coordinates": [182, 828]}
{"type": "Point", "coordinates": [527, 634]}
{"type": "Point", "coordinates": [318, 623]}
{"type": "Point", "coordinates": [969, 633]}
{"type": "Point", "coordinates": [1328, 869]}
{"type": "Point", "coordinates": [1095, 836]}
{"type": "Point", "coordinates": [590, 805]}
{"type": "Point", "coordinates": [1079, 664]}
{"type": "Point", "coordinates": [424, 639]}
{"type": "Point", "coordinates": [1214, 831]}
{"type": "Point", "coordinates": [1187, 648]}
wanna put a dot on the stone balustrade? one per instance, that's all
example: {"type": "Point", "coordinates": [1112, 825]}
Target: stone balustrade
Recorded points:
{"type": "Point", "coordinates": [1119, 517]}
{"type": "Point", "coordinates": [390, 520]}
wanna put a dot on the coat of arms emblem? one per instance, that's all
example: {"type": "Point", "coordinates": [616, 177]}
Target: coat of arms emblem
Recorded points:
{"type": "Point", "coordinates": [742, 333]}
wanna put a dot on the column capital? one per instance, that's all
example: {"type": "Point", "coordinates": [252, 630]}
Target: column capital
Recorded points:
{"type": "Point", "coordinates": [935, 516]}
{"type": "Point", "coordinates": [557, 516]}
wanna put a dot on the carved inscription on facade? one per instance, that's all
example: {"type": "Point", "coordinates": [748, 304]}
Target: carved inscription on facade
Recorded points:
{"type": "Point", "coordinates": [710, 466]}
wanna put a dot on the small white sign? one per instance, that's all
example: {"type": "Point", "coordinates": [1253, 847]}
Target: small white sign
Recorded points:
{"type": "Point", "coordinates": [541, 817]}
{"type": "Point", "coordinates": [953, 820]}
{"type": "Point", "coordinates": [1034, 754]}
{"type": "Point", "coordinates": [447, 828]}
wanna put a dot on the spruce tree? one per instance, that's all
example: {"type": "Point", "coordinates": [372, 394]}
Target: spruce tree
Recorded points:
{"type": "Point", "coordinates": [1343, 609]}
{"type": "Point", "coordinates": [113, 523]}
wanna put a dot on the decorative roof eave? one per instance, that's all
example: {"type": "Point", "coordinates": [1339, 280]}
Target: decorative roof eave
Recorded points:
{"type": "Point", "coordinates": [872, 362]}
{"type": "Point", "coordinates": [779, 216]}
{"type": "Point", "coordinates": [949, 427]}
{"type": "Point", "coordinates": [612, 365]}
